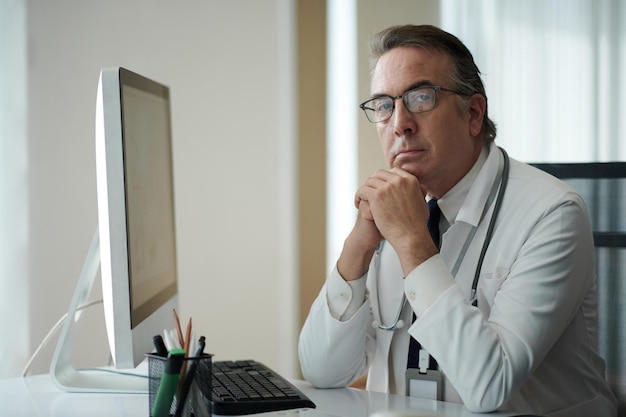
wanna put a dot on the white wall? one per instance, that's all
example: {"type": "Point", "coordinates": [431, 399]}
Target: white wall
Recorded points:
{"type": "Point", "coordinates": [229, 66]}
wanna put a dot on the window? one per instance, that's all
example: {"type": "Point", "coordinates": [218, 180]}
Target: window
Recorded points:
{"type": "Point", "coordinates": [552, 73]}
{"type": "Point", "coordinates": [14, 307]}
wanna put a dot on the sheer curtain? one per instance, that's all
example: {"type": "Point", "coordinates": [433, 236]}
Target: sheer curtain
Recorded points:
{"type": "Point", "coordinates": [14, 307]}
{"type": "Point", "coordinates": [552, 73]}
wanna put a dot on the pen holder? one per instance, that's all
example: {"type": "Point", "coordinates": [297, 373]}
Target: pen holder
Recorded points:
{"type": "Point", "coordinates": [194, 389]}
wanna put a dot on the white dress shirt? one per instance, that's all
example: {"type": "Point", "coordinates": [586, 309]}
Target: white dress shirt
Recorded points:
{"type": "Point", "coordinates": [531, 343]}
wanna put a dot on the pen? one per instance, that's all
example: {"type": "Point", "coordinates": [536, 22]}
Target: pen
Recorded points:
{"type": "Point", "coordinates": [159, 345]}
{"type": "Point", "coordinates": [190, 376]}
{"type": "Point", "coordinates": [169, 382]}
{"type": "Point", "coordinates": [170, 342]}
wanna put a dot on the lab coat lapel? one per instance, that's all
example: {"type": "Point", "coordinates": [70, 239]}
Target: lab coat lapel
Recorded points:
{"type": "Point", "coordinates": [468, 217]}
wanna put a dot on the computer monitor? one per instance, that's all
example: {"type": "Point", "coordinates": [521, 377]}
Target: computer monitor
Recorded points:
{"type": "Point", "coordinates": [135, 234]}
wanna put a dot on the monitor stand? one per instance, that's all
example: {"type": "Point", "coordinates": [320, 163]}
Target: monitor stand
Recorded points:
{"type": "Point", "coordinates": [62, 371]}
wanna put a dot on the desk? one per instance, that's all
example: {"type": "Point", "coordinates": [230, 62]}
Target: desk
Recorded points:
{"type": "Point", "coordinates": [37, 396]}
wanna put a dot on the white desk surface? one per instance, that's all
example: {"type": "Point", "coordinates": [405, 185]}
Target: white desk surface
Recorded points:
{"type": "Point", "coordinates": [38, 396]}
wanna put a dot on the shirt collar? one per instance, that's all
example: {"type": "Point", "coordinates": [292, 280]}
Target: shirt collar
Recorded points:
{"type": "Point", "coordinates": [458, 204]}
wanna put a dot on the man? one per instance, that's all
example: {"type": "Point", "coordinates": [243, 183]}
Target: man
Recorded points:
{"type": "Point", "coordinates": [519, 336]}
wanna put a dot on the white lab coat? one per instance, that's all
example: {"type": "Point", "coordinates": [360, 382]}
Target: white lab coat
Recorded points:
{"type": "Point", "coordinates": [530, 346]}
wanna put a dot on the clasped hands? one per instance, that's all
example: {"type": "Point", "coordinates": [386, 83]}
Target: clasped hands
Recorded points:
{"type": "Point", "coordinates": [390, 207]}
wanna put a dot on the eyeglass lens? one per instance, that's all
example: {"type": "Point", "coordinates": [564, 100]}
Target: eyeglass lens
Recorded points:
{"type": "Point", "coordinates": [416, 101]}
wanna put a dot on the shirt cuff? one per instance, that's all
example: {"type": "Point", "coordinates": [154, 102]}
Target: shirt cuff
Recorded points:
{"type": "Point", "coordinates": [426, 283]}
{"type": "Point", "coordinates": [345, 297]}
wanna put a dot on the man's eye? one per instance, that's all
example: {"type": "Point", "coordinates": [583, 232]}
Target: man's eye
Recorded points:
{"type": "Point", "coordinates": [383, 105]}
{"type": "Point", "coordinates": [421, 97]}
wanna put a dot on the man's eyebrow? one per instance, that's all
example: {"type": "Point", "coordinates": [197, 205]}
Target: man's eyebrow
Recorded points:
{"type": "Point", "coordinates": [421, 83]}
{"type": "Point", "coordinates": [416, 84]}
{"type": "Point", "coordinates": [379, 95]}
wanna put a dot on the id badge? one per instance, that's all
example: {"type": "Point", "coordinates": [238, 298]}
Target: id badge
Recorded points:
{"type": "Point", "coordinates": [426, 385]}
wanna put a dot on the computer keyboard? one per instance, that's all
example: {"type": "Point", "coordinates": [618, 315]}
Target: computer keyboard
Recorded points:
{"type": "Point", "coordinates": [248, 387]}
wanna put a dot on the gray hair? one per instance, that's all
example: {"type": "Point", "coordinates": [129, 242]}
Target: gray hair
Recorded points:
{"type": "Point", "coordinates": [465, 74]}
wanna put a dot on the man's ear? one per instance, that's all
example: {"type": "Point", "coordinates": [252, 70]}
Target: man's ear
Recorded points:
{"type": "Point", "coordinates": [476, 108]}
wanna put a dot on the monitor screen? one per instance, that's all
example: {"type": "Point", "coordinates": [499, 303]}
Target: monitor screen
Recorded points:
{"type": "Point", "coordinates": [149, 198]}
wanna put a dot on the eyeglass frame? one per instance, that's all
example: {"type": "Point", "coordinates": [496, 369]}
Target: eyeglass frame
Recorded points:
{"type": "Point", "coordinates": [435, 88]}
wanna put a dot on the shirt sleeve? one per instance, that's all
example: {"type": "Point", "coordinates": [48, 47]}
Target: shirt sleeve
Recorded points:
{"type": "Point", "coordinates": [344, 298]}
{"type": "Point", "coordinates": [337, 334]}
{"type": "Point", "coordinates": [429, 280]}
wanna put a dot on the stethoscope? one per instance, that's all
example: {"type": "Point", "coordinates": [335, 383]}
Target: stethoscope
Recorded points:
{"type": "Point", "coordinates": [498, 187]}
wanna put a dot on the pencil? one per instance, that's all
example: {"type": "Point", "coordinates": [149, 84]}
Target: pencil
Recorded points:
{"type": "Point", "coordinates": [179, 330]}
{"type": "Point", "coordinates": [187, 343]}
{"type": "Point", "coordinates": [186, 346]}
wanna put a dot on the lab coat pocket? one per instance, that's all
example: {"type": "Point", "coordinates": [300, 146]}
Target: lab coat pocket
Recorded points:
{"type": "Point", "coordinates": [488, 285]}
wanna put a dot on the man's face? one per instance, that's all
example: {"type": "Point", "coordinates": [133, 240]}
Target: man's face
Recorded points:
{"type": "Point", "coordinates": [438, 146]}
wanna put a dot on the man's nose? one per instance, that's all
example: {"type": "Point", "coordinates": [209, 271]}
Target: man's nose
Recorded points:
{"type": "Point", "coordinates": [403, 119]}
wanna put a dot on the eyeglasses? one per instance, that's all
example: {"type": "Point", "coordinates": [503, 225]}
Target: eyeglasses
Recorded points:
{"type": "Point", "coordinates": [417, 100]}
